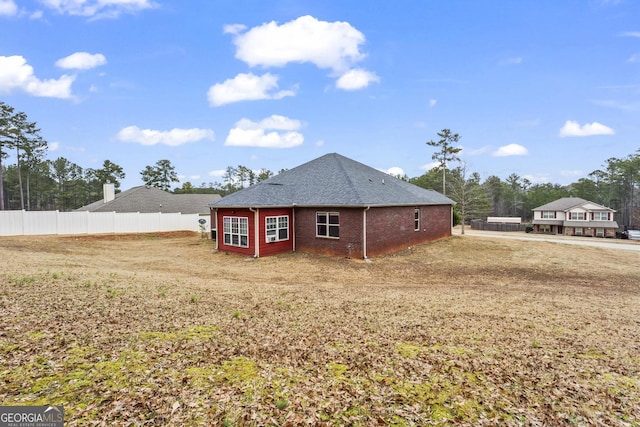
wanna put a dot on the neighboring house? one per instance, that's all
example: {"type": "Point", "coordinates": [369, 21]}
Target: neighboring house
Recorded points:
{"type": "Point", "coordinates": [573, 216]}
{"type": "Point", "coordinates": [331, 205]}
{"type": "Point", "coordinates": [147, 199]}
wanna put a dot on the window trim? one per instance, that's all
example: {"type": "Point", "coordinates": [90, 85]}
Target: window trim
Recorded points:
{"type": "Point", "coordinates": [416, 219]}
{"type": "Point", "coordinates": [601, 216]}
{"type": "Point", "coordinates": [328, 225]}
{"type": "Point", "coordinates": [230, 220]}
{"type": "Point", "coordinates": [278, 228]}
{"type": "Point", "coordinates": [574, 216]}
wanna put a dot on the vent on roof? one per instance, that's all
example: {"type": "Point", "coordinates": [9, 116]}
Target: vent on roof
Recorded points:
{"type": "Point", "coordinates": [275, 183]}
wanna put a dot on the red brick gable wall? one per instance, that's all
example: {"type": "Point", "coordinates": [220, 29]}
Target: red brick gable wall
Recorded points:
{"type": "Point", "coordinates": [392, 228]}
{"type": "Point", "coordinates": [388, 229]}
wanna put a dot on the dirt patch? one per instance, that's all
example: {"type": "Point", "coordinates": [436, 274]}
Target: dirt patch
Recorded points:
{"type": "Point", "coordinates": [160, 329]}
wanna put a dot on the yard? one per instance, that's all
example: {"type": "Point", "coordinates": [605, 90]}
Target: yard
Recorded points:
{"type": "Point", "coordinates": [160, 330]}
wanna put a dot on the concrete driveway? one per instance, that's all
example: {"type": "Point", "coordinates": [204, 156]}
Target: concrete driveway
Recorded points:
{"type": "Point", "coordinates": [569, 240]}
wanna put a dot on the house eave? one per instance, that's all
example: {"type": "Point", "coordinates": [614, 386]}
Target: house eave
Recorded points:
{"type": "Point", "coordinates": [326, 205]}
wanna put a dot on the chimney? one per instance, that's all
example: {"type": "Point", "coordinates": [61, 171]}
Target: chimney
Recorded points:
{"type": "Point", "coordinates": [109, 191]}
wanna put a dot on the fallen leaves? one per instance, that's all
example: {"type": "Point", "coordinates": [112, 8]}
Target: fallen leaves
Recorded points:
{"type": "Point", "coordinates": [465, 332]}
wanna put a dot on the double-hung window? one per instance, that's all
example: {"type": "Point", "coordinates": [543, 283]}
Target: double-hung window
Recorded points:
{"type": "Point", "coordinates": [236, 231]}
{"type": "Point", "coordinates": [416, 219]}
{"type": "Point", "coordinates": [328, 224]}
{"type": "Point", "coordinates": [277, 228]}
{"type": "Point", "coordinates": [548, 214]}
{"type": "Point", "coordinates": [578, 216]}
{"type": "Point", "coordinates": [601, 216]}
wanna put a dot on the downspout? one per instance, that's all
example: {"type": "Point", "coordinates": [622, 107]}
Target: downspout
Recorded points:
{"type": "Point", "coordinates": [293, 226]}
{"type": "Point", "coordinates": [364, 232]}
{"type": "Point", "coordinates": [215, 221]}
{"type": "Point", "coordinates": [256, 222]}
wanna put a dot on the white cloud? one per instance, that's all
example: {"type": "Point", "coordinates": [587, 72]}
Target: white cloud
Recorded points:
{"type": "Point", "coordinates": [81, 61]}
{"type": "Point", "coordinates": [356, 79]}
{"type": "Point", "coordinates": [631, 34]}
{"type": "Point", "coordinates": [98, 8]}
{"type": "Point", "coordinates": [333, 45]}
{"type": "Point", "coordinates": [634, 58]}
{"type": "Point", "coordinates": [265, 133]}
{"type": "Point", "coordinates": [53, 146]}
{"type": "Point", "coordinates": [173, 137]}
{"type": "Point", "coordinates": [510, 150]}
{"type": "Point", "coordinates": [319, 143]}
{"type": "Point", "coordinates": [538, 178]}
{"type": "Point", "coordinates": [233, 28]}
{"type": "Point", "coordinates": [395, 171]}
{"type": "Point", "coordinates": [475, 151]}
{"type": "Point", "coordinates": [8, 8]}
{"type": "Point", "coordinates": [572, 128]}
{"type": "Point", "coordinates": [218, 172]}
{"type": "Point", "coordinates": [246, 87]}
{"type": "Point", "coordinates": [511, 61]}
{"type": "Point", "coordinates": [573, 173]}
{"type": "Point", "coordinates": [430, 166]}
{"type": "Point", "coordinates": [16, 74]}
{"type": "Point", "coordinates": [433, 102]}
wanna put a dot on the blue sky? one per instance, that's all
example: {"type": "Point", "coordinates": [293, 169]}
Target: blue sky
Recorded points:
{"type": "Point", "coordinates": [546, 89]}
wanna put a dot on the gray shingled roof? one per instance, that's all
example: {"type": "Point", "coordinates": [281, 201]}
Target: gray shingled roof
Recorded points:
{"type": "Point", "coordinates": [332, 180]}
{"type": "Point", "coordinates": [145, 199]}
{"type": "Point", "coordinates": [565, 204]}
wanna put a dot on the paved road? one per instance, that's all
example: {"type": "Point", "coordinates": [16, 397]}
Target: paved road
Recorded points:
{"type": "Point", "coordinates": [570, 240]}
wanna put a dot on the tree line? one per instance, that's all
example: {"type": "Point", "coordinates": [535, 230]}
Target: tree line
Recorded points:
{"type": "Point", "coordinates": [616, 185]}
{"type": "Point", "coordinates": [32, 182]}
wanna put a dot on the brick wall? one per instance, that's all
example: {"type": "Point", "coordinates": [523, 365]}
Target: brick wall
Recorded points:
{"type": "Point", "coordinates": [389, 229]}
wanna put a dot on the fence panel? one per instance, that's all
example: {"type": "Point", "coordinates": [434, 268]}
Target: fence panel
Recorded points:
{"type": "Point", "coordinates": [11, 223]}
{"type": "Point", "coordinates": [72, 222]}
{"type": "Point", "coordinates": [16, 223]}
{"type": "Point", "coordinates": [41, 222]}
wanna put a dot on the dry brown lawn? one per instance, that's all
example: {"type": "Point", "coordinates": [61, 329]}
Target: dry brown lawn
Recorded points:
{"type": "Point", "coordinates": [160, 330]}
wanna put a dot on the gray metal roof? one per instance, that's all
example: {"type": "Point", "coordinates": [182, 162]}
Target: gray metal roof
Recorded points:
{"type": "Point", "coordinates": [568, 203]}
{"type": "Point", "coordinates": [332, 180]}
{"type": "Point", "coordinates": [145, 199]}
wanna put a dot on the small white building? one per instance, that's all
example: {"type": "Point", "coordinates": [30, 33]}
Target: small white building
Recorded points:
{"type": "Point", "coordinates": [573, 216]}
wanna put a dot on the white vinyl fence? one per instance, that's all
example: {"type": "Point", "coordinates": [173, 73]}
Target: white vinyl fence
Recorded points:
{"type": "Point", "coordinates": [18, 223]}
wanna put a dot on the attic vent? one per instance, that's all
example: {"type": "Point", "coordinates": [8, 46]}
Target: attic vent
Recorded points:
{"type": "Point", "coordinates": [275, 183]}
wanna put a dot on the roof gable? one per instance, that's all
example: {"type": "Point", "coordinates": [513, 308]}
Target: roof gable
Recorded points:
{"type": "Point", "coordinates": [332, 180]}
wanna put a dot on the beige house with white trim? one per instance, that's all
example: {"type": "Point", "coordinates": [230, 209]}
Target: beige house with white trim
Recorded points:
{"type": "Point", "coordinates": [573, 216]}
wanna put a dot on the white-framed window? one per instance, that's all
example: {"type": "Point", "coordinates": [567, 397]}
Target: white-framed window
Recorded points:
{"type": "Point", "coordinates": [599, 232]}
{"type": "Point", "coordinates": [277, 228]}
{"type": "Point", "coordinates": [236, 231]}
{"type": "Point", "coordinates": [416, 219]}
{"type": "Point", "coordinates": [544, 228]}
{"type": "Point", "coordinates": [548, 214]}
{"type": "Point", "coordinates": [578, 231]}
{"type": "Point", "coordinates": [577, 216]}
{"type": "Point", "coordinates": [601, 216]}
{"type": "Point", "coordinates": [328, 224]}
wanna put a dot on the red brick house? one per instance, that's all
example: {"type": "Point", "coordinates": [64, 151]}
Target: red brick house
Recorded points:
{"type": "Point", "coordinates": [331, 205]}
